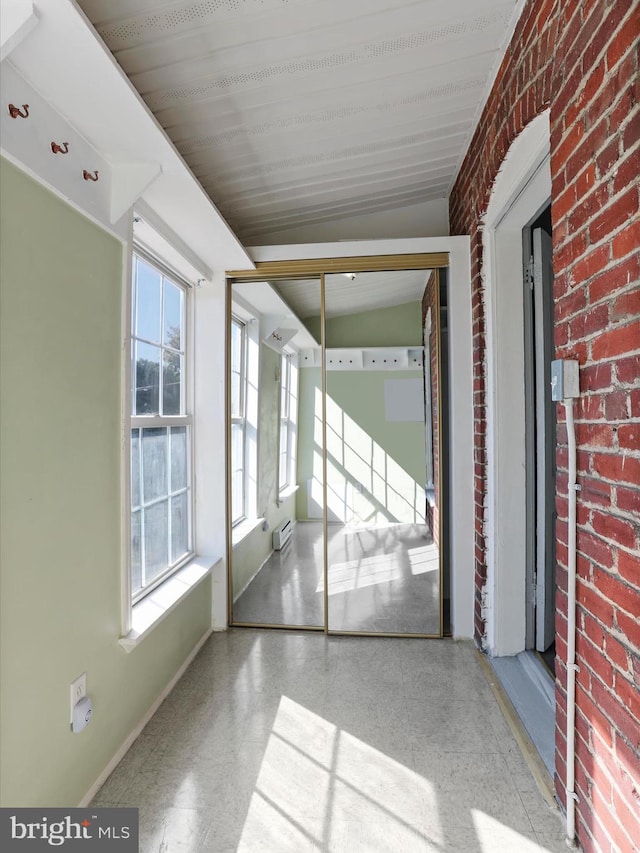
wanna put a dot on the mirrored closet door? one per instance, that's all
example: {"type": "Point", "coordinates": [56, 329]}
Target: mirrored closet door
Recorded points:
{"type": "Point", "coordinates": [275, 455]}
{"type": "Point", "coordinates": [383, 564]}
{"type": "Point", "coordinates": [334, 448]}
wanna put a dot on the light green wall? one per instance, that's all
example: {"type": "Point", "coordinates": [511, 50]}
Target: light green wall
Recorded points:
{"type": "Point", "coordinates": [360, 394]}
{"type": "Point", "coordinates": [397, 326]}
{"type": "Point", "coordinates": [61, 280]}
{"type": "Point", "coordinates": [254, 549]}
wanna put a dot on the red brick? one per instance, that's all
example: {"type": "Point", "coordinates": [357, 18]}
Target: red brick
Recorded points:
{"type": "Point", "coordinates": [589, 322]}
{"type": "Point", "coordinates": [594, 377]}
{"type": "Point", "coordinates": [587, 208]}
{"type": "Point", "coordinates": [614, 278]}
{"type": "Point", "coordinates": [616, 214]}
{"type": "Point", "coordinates": [595, 717]}
{"type": "Point", "coordinates": [607, 157]}
{"type": "Point", "coordinates": [571, 304]}
{"type": "Point", "coordinates": [630, 628]}
{"type": "Point", "coordinates": [626, 305]}
{"type": "Point", "coordinates": [631, 133]}
{"type": "Point", "coordinates": [628, 758]}
{"type": "Point", "coordinates": [612, 466]}
{"type": "Point", "coordinates": [593, 630]}
{"type": "Point", "coordinates": [563, 204]}
{"type": "Point", "coordinates": [619, 530]}
{"type": "Point", "coordinates": [585, 181]}
{"type": "Point", "coordinates": [616, 653]}
{"type": "Point", "coordinates": [565, 254]}
{"type": "Point", "coordinates": [628, 818]}
{"type": "Point", "coordinates": [591, 408]}
{"type": "Point", "coordinates": [628, 694]}
{"type": "Point", "coordinates": [594, 491]}
{"type": "Point", "coordinates": [629, 566]}
{"type": "Point", "coordinates": [618, 592]}
{"type": "Point", "coordinates": [589, 147]}
{"type": "Point", "coordinates": [624, 39]}
{"type": "Point", "coordinates": [586, 653]}
{"type": "Point", "coordinates": [626, 100]}
{"type": "Point", "coordinates": [616, 407]}
{"type": "Point", "coordinates": [628, 240]}
{"type": "Point", "coordinates": [626, 174]}
{"type": "Point", "coordinates": [628, 369]}
{"type": "Point", "coordinates": [569, 144]}
{"type": "Point", "coordinates": [598, 434]}
{"type": "Point", "coordinates": [604, 814]}
{"type": "Point", "coordinates": [618, 341]}
{"type": "Point", "coordinates": [592, 602]}
{"type": "Point", "coordinates": [612, 707]}
{"type": "Point", "coordinates": [629, 436]}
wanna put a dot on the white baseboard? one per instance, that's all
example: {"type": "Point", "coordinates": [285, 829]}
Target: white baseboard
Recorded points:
{"type": "Point", "coordinates": [124, 748]}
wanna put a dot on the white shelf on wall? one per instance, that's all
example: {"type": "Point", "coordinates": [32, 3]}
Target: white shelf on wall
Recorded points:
{"type": "Point", "coordinates": [311, 357]}
{"type": "Point", "coordinates": [365, 358]}
{"type": "Point", "coordinates": [345, 359]}
{"type": "Point", "coordinates": [375, 358]}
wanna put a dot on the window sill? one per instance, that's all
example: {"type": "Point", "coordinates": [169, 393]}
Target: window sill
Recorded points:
{"type": "Point", "coordinates": [156, 606]}
{"type": "Point", "coordinates": [242, 530]}
{"type": "Point", "coordinates": [286, 493]}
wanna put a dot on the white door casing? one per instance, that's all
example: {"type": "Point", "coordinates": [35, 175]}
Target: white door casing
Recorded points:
{"type": "Point", "coordinates": [521, 189]}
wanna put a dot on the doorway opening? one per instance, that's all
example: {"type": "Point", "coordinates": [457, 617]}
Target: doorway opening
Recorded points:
{"type": "Point", "coordinates": [540, 428]}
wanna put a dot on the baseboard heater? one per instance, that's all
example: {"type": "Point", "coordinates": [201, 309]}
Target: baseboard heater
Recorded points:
{"type": "Point", "coordinates": [282, 534]}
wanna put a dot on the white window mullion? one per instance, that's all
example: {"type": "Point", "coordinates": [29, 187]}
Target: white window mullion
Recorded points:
{"type": "Point", "coordinates": [161, 370]}
{"type": "Point", "coordinates": [143, 550]}
{"type": "Point", "coordinates": [169, 497]}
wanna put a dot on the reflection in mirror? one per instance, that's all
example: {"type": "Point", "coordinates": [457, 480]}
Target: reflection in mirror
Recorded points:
{"type": "Point", "coordinates": [384, 571]}
{"type": "Point", "coordinates": [277, 554]}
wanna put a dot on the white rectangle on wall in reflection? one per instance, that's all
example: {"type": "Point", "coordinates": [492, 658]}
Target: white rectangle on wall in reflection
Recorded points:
{"type": "Point", "coordinates": [403, 400]}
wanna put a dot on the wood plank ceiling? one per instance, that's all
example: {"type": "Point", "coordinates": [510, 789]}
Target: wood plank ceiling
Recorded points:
{"type": "Point", "coordinates": [296, 112]}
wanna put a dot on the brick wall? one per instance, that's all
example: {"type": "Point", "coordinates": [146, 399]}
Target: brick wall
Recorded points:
{"type": "Point", "coordinates": [580, 60]}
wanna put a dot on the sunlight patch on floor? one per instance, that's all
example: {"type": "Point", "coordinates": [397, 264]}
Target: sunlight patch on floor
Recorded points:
{"type": "Point", "coordinates": [367, 571]}
{"type": "Point", "coordinates": [319, 785]}
{"type": "Point", "coordinates": [424, 559]}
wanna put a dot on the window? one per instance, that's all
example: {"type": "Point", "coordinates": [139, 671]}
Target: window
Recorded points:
{"type": "Point", "coordinates": [284, 469]}
{"type": "Point", "coordinates": [161, 529]}
{"type": "Point", "coordinates": [238, 419]}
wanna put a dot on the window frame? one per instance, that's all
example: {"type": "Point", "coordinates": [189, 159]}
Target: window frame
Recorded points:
{"type": "Point", "coordinates": [160, 421]}
{"type": "Point", "coordinates": [285, 420]}
{"type": "Point", "coordinates": [240, 419]}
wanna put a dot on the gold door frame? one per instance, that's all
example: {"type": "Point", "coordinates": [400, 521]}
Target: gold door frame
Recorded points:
{"type": "Point", "coordinates": [319, 267]}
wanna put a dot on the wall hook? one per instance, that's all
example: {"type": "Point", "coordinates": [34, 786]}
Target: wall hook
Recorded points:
{"type": "Point", "coordinates": [60, 149]}
{"type": "Point", "coordinates": [16, 112]}
{"type": "Point", "coordinates": [88, 176]}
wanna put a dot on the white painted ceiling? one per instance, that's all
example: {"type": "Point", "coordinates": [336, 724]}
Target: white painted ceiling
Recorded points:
{"type": "Point", "coordinates": [296, 112]}
{"type": "Point", "coordinates": [367, 291]}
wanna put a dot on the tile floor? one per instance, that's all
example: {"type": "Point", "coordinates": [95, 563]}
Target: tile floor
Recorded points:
{"type": "Point", "coordinates": [381, 579]}
{"type": "Point", "coordinates": [281, 741]}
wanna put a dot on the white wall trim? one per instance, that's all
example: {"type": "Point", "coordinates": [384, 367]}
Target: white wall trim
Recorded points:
{"type": "Point", "coordinates": [521, 189]}
{"type": "Point", "coordinates": [17, 19]}
{"type": "Point", "coordinates": [124, 131]}
{"type": "Point", "coordinates": [129, 741]}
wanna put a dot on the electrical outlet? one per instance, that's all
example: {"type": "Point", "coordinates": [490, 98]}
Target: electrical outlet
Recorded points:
{"type": "Point", "coordinates": [78, 691]}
